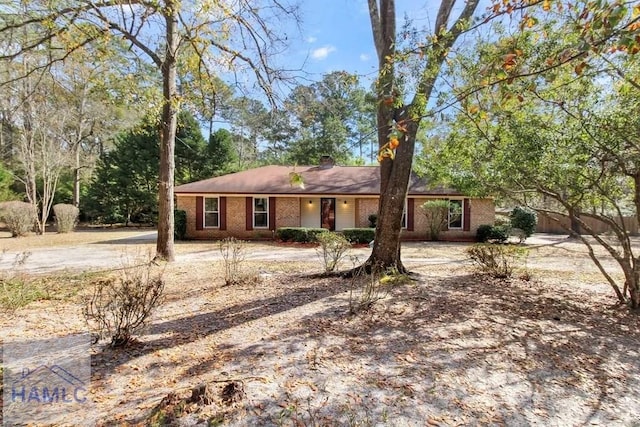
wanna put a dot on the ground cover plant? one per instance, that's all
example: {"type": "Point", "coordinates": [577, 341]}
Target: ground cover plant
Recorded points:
{"type": "Point", "coordinates": [448, 347]}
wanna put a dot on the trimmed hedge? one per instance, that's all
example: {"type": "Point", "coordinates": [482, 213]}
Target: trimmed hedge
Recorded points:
{"type": "Point", "coordinates": [359, 235]}
{"type": "Point", "coordinates": [66, 217]}
{"type": "Point", "coordinates": [299, 234]}
{"type": "Point", "coordinates": [306, 235]}
{"type": "Point", "coordinates": [493, 233]}
{"type": "Point", "coordinates": [19, 217]}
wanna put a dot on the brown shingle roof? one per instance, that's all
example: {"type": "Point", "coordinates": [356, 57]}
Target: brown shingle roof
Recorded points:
{"type": "Point", "coordinates": [353, 180]}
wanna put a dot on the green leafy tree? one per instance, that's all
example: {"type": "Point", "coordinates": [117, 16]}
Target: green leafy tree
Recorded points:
{"type": "Point", "coordinates": [219, 153]}
{"type": "Point", "coordinates": [247, 117]}
{"type": "Point", "coordinates": [125, 184]}
{"type": "Point", "coordinates": [124, 187]}
{"type": "Point", "coordinates": [562, 143]}
{"type": "Point", "coordinates": [277, 133]}
{"type": "Point", "coordinates": [524, 219]}
{"type": "Point", "coordinates": [6, 184]}
{"type": "Point", "coordinates": [190, 156]}
{"type": "Point", "coordinates": [331, 119]}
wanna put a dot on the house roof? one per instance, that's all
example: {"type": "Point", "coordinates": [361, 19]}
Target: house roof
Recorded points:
{"type": "Point", "coordinates": [352, 180]}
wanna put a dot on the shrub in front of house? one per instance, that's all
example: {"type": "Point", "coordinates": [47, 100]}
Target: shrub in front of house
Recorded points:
{"type": "Point", "coordinates": [332, 249]}
{"type": "Point", "coordinates": [120, 307]}
{"type": "Point", "coordinates": [373, 220]}
{"type": "Point", "coordinates": [298, 234]}
{"type": "Point", "coordinates": [497, 261]}
{"type": "Point", "coordinates": [180, 224]}
{"type": "Point", "coordinates": [493, 233]}
{"type": "Point", "coordinates": [359, 235]}
{"type": "Point", "coordinates": [524, 219]}
{"type": "Point", "coordinates": [483, 232]}
{"type": "Point", "coordinates": [437, 214]}
{"type": "Point", "coordinates": [313, 233]}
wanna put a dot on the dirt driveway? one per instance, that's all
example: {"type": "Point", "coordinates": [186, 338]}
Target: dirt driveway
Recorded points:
{"type": "Point", "coordinates": [87, 250]}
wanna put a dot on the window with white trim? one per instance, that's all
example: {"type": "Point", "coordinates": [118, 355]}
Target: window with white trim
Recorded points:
{"type": "Point", "coordinates": [260, 212]}
{"type": "Point", "coordinates": [455, 214]}
{"type": "Point", "coordinates": [211, 212]}
{"type": "Point", "coordinates": [403, 224]}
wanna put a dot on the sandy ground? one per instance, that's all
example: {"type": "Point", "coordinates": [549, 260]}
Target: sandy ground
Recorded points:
{"type": "Point", "coordinates": [448, 348]}
{"type": "Point", "coordinates": [99, 250]}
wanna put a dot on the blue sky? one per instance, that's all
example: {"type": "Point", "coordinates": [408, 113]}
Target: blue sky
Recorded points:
{"type": "Point", "coordinates": [336, 34]}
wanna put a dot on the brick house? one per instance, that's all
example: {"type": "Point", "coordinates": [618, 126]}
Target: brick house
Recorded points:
{"type": "Point", "coordinates": [255, 202]}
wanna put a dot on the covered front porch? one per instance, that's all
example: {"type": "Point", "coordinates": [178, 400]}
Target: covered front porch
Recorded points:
{"type": "Point", "coordinates": [332, 213]}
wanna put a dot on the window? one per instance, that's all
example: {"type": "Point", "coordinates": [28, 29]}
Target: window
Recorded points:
{"type": "Point", "coordinates": [455, 214]}
{"type": "Point", "coordinates": [211, 212]}
{"type": "Point", "coordinates": [403, 224]}
{"type": "Point", "coordinates": [260, 212]}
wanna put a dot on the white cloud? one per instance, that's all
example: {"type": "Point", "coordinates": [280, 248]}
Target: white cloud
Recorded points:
{"type": "Point", "coordinates": [364, 57]}
{"type": "Point", "coordinates": [322, 52]}
{"type": "Point", "coordinates": [311, 39]}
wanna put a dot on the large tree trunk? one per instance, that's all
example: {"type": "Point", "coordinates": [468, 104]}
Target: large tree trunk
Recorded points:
{"type": "Point", "coordinates": [392, 112]}
{"type": "Point", "coordinates": [394, 181]}
{"type": "Point", "coordinates": [164, 244]}
{"type": "Point", "coordinates": [574, 215]}
{"type": "Point", "coordinates": [393, 188]}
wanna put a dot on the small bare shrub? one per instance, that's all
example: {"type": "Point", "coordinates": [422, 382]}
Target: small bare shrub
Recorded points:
{"type": "Point", "coordinates": [66, 217]}
{"type": "Point", "coordinates": [120, 307]}
{"type": "Point", "coordinates": [233, 253]}
{"type": "Point", "coordinates": [332, 249]}
{"type": "Point", "coordinates": [371, 285]}
{"type": "Point", "coordinates": [19, 217]}
{"type": "Point", "coordinates": [498, 261]}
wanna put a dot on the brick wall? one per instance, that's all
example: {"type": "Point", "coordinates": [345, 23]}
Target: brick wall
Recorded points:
{"type": "Point", "coordinates": [288, 215]}
{"type": "Point", "coordinates": [287, 212]}
{"type": "Point", "coordinates": [364, 208]}
{"type": "Point", "coordinates": [236, 214]}
{"type": "Point", "coordinates": [188, 204]}
{"type": "Point", "coordinates": [482, 212]}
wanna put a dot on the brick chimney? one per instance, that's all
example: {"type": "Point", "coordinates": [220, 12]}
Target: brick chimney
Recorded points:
{"type": "Point", "coordinates": [326, 162]}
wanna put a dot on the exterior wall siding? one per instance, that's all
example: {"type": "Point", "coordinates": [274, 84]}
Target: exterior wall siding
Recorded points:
{"type": "Point", "coordinates": [345, 213]}
{"type": "Point", "coordinates": [310, 212]}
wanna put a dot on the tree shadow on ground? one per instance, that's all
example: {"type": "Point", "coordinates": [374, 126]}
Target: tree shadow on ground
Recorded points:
{"type": "Point", "coordinates": [145, 237]}
{"type": "Point", "coordinates": [463, 349]}
{"type": "Point", "coordinates": [177, 332]}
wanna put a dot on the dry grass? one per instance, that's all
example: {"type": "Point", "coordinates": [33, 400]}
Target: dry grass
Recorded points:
{"type": "Point", "coordinates": [78, 237]}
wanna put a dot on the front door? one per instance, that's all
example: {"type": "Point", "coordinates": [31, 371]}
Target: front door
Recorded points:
{"type": "Point", "coordinates": [328, 213]}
